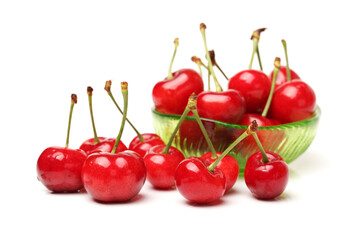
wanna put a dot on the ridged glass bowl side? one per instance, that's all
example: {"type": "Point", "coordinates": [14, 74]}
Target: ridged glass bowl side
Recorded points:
{"type": "Point", "coordinates": [288, 140]}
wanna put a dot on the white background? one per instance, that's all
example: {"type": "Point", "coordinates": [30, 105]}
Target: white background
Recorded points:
{"type": "Point", "coordinates": [49, 50]}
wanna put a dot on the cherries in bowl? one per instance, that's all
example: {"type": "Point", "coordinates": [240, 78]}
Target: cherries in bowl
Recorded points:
{"type": "Point", "coordinates": [289, 140]}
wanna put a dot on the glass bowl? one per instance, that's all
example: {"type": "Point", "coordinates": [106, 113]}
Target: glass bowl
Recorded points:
{"type": "Point", "coordinates": [288, 140]}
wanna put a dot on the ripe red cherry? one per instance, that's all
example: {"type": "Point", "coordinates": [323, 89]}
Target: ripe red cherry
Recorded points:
{"type": "Point", "coordinates": [149, 140]}
{"type": "Point", "coordinates": [254, 85]}
{"type": "Point", "coordinates": [161, 167]}
{"type": "Point", "coordinates": [170, 95]}
{"type": "Point", "coordinates": [197, 184]}
{"type": "Point", "coordinates": [109, 177]}
{"type": "Point", "coordinates": [293, 101]}
{"type": "Point", "coordinates": [228, 166]}
{"type": "Point", "coordinates": [227, 106]}
{"type": "Point", "coordinates": [104, 145]}
{"type": "Point", "coordinates": [266, 174]}
{"type": "Point", "coordinates": [59, 168]}
{"type": "Point", "coordinates": [266, 180]}
{"type": "Point", "coordinates": [114, 177]}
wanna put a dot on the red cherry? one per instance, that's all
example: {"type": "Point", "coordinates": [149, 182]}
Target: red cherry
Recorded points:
{"type": "Point", "coordinates": [293, 101]}
{"type": "Point", "coordinates": [266, 180]}
{"type": "Point", "coordinates": [197, 184]}
{"type": "Point", "coordinates": [282, 76]}
{"type": "Point", "coordinates": [149, 140]}
{"type": "Point", "coordinates": [161, 167]}
{"type": "Point", "coordinates": [228, 166]}
{"type": "Point", "coordinates": [254, 85]}
{"type": "Point", "coordinates": [227, 106]}
{"type": "Point", "coordinates": [104, 145]}
{"type": "Point", "coordinates": [114, 177]}
{"type": "Point", "coordinates": [59, 169]}
{"type": "Point", "coordinates": [170, 95]}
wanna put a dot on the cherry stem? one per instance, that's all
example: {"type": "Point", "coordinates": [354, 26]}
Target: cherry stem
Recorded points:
{"type": "Point", "coordinates": [89, 93]}
{"type": "Point", "coordinates": [204, 132]}
{"type": "Point", "coordinates": [170, 75]}
{"type": "Point", "coordinates": [108, 90]}
{"type": "Point", "coordinates": [73, 102]}
{"type": "Point", "coordinates": [264, 155]}
{"type": "Point", "coordinates": [174, 133]}
{"type": "Point", "coordinates": [289, 77]}
{"type": "Point", "coordinates": [209, 80]}
{"type": "Point", "coordinates": [275, 74]}
{"type": "Point", "coordinates": [259, 59]}
{"type": "Point", "coordinates": [255, 38]}
{"type": "Point", "coordinates": [250, 130]}
{"type": "Point", "coordinates": [214, 62]}
{"type": "Point", "coordinates": [124, 90]}
{"type": "Point", "coordinates": [210, 66]}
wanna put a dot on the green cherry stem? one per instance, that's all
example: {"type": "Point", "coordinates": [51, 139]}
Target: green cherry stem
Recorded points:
{"type": "Point", "coordinates": [255, 38]}
{"type": "Point", "coordinates": [193, 99]}
{"type": "Point", "coordinates": [259, 59]}
{"type": "Point", "coordinates": [210, 66]}
{"type": "Point", "coordinates": [264, 155]}
{"type": "Point", "coordinates": [108, 90]}
{"type": "Point", "coordinates": [289, 77]}
{"type": "Point", "coordinates": [214, 62]}
{"type": "Point", "coordinates": [250, 130]}
{"type": "Point", "coordinates": [170, 75]}
{"type": "Point", "coordinates": [180, 121]}
{"type": "Point", "coordinates": [73, 102]}
{"type": "Point", "coordinates": [124, 90]}
{"type": "Point", "coordinates": [89, 93]}
{"type": "Point", "coordinates": [275, 74]}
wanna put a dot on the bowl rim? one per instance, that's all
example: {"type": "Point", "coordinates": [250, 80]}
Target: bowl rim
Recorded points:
{"type": "Point", "coordinates": [304, 122]}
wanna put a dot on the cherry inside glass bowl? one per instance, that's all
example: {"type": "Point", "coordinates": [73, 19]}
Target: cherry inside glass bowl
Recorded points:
{"type": "Point", "coordinates": [288, 140]}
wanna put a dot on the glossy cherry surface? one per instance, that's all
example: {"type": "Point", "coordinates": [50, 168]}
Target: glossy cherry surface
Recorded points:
{"type": "Point", "coordinates": [228, 165]}
{"type": "Point", "coordinates": [266, 180]}
{"type": "Point", "coordinates": [293, 101]}
{"type": "Point", "coordinates": [171, 96]}
{"type": "Point", "coordinates": [197, 184]}
{"type": "Point", "coordinates": [114, 177]}
{"type": "Point", "coordinates": [227, 106]}
{"type": "Point", "coordinates": [104, 145]}
{"type": "Point", "coordinates": [254, 86]}
{"type": "Point", "coordinates": [150, 140]}
{"type": "Point", "coordinates": [282, 76]}
{"type": "Point", "coordinates": [161, 167]}
{"type": "Point", "coordinates": [59, 169]}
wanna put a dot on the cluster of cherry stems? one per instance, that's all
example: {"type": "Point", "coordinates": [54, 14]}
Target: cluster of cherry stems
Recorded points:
{"type": "Point", "coordinates": [111, 172]}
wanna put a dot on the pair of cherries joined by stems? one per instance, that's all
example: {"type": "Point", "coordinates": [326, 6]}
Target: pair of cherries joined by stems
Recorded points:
{"type": "Point", "coordinates": [249, 91]}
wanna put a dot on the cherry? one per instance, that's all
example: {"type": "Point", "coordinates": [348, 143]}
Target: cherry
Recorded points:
{"type": "Point", "coordinates": [293, 101]}
{"type": "Point", "coordinates": [161, 161]}
{"type": "Point", "coordinates": [142, 142]}
{"type": "Point", "coordinates": [285, 73]}
{"type": "Point", "coordinates": [59, 168]}
{"type": "Point", "coordinates": [98, 144]}
{"type": "Point", "coordinates": [197, 184]}
{"type": "Point", "coordinates": [114, 177]}
{"type": "Point", "coordinates": [227, 106]}
{"type": "Point", "coordinates": [254, 85]}
{"type": "Point", "coordinates": [266, 174]}
{"type": "Point", "coordinates": [170, 95]}
{"type": "Point", "coordinates": [201, 184]}
{"type": "Point", "coordinates": [228, 166]}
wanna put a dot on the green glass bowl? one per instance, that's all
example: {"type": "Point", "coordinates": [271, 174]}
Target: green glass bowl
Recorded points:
{"type": "Point", "coordinates": [288, 140]}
